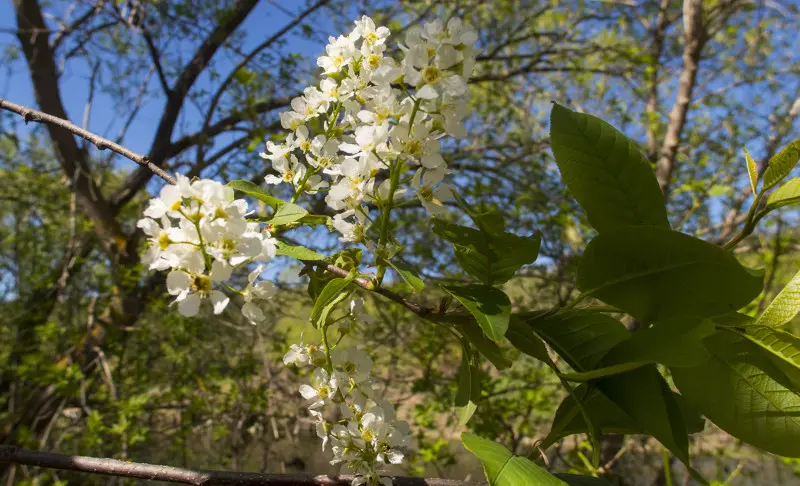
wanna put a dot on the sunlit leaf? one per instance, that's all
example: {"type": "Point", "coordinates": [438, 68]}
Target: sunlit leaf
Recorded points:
{"type": "Point", "coordinates": [655, 273]}
{"type": "Point", "coordinates": [605, 172]}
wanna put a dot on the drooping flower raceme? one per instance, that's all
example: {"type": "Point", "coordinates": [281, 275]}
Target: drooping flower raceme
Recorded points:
{"type": "Point", "coordinates": [373, 118]}
{"type": "Point", "coordinates": [199, 232]}
{"type": "Point", "coordinates": [370, 435]}
{"type": "Point", "coordinates": [371, 133]}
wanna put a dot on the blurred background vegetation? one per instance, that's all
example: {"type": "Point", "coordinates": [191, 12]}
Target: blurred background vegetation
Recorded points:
{"type": "Point", "coordinates": [92, 360]}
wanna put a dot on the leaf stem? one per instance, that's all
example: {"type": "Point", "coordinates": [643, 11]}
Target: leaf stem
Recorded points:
{"type": "Point", "coordinates": [750, 223]}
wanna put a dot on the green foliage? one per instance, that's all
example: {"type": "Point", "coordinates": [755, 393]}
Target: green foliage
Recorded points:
{"type": "Point", "coordinates": [287, 213]}
{"type": "Point", "coordinates": [247, 187]}
{"type": "Point", "coordinates": [752, 171]}
{"type": "Point", "coordinates": [331, 294]}
{"type": "Point", "coordinates": [490, 307]}
{"type": "Point", "coordinates": [784, 306]}
{"type": "Point", "coordinates": [788, 193]}
{"type": "Point", "coordinates": [781, 165]}
{"type": "Point", "coordinates": [492, 258]}
{"type": "Point", "coordinates": [297, 252]}
{"type": "Point", "coordinates": [582, 339]}
{"type": "Point", "coordinates": [605, 172]}
{"type": "Point", "coordinates": [469, 387]}
{"type": "Point", "coordinates": [744, 395]}
{"type": "Point", "coordinates": [408, 274]}
{"type": "Point", "coordinates": [606, 415]}
{"type": "Point", "coordinates": [652, 407]}
{"type": "Point", "coordinates": [471, 331]}
{"type": "Point", "coordinates": [503, 468]}
{"type": "Point", "coordinates": [655, 273]}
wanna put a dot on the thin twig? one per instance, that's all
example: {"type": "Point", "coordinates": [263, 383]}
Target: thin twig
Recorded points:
{"type": "Point", "coordinates": [29, 114]}
{"type": "Point", "coordinates": [115, 467]}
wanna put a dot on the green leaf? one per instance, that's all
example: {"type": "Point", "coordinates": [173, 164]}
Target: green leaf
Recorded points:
{"type": "Point", "coordinates": [470, 330]}
{"type": "Point", "coordinates": [788, 193]}
{"type": "Point", "coordinates": [606, 172]}
{"type": "Point", "coordinates": [581, 339]}
{"type": "Point", "coordinates": [675, 342]}
{"type": "Point", "coordinates": [784, 306]}
{"type": "Point", "coordinates": [469, 388]}
{"type": "Point", "coordinates": [502, 468]}
{"type": "Point", "coordinates": [315, 219]}
{"type": "Point", "coordinates": [671, 343]}
{"type": "Point", "coordinates": [408, 274]}
{"type": "Point", "coordinates": [298, 252]}
{"type": "Point", "coordinates": [522, 337]}
{"type": "Point", "coordinates": [287, 213]}
{"type": "Point", "coordinates": [656, 273]}
{"type": "Point", "coordinates": [333, 293]}
{"type": "Point", "coordinates": [647, 399]}
{"type": "Point", "coordinates": [257, 192]}
{"type": "Point", "coordinates": [752, 171]}
{"type": "Point", "coordinates": [606, 416]}
{"type": "Point", "coordinates": [781, 348]}
{"type": "Point", "coordinates": [781, 164]}
{"type": "Point", "coordinates": [244, 76]}
{"type": "Point", "coordinates": [491, 257]}
{"type": "Point", "coordinates": [490, 306]}
{"type": "Point", "coordinates": [738, 393]}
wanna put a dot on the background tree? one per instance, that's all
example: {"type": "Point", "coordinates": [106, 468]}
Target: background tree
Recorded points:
{"type": "Point", "coordinates": [94, 362]}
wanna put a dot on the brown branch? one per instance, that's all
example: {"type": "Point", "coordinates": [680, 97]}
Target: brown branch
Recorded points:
{"type": "Point", "coordinates": [695, 37]}
{"type": "Point", "coordinates": [152, 472]}
{"type": "Point", "coordinates": [264, 45]}
{"type": "Point", "coordinates": [155, 55]}
{"type": "Point", "coordinates": [162, 139]}
{"type": "Point", "coordinates": [656, 50]}
{"type": "Point", "coordinates": [64, 32]}
{"type": "Point", "coordinates": [72, 158]}
{"type": "Point", "coordinates": [29, 114]}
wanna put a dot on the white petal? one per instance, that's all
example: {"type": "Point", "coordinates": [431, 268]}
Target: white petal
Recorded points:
{"type": "Point", "coordinates": [219, 301]}
{"type": "Point", "coordinates": [307, 392]}
{"type": "Point", "coordinates": [252, 313]}
{"type": "Point", "coordinates": [427, 92]}
{"type": "Point", "coordinates": [220, 271]}
{"type": "Point", "coordinates": [432, 161]}
{"type": "Point", "coordinates": [178, 281]}
{"type": "Point", "coordinates": [190, 305]}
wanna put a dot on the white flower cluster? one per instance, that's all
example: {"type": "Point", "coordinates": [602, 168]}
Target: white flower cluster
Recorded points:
{"type": "Point", "coordinates": [369, 435]}
{"type": "Point", "coordinates": [373, 117]}
{"type": "Point", "coordinates": [199, 232]}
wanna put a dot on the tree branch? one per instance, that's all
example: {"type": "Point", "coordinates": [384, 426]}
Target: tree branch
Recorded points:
{"type": "Point", "coordinates": [156, 56]}
{"type": "Point", "coordinates": [162, 139]}
{"type": "Point", "coordinates": [264, 45]}
{"type": "Point", "coordinates": [152, 472]}
{"type": "Point", "coordinates": [695, 36]}
{"type": "Point", "coordinates": [29, 114]}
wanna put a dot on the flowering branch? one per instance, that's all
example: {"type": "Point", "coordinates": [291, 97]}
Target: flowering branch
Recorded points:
{"type": "Point", "coordinates": [153, 472]}
{"type": "Point", "coordinates": [365, 284]}
{"type": "Point", "coordinates": [29, 114]}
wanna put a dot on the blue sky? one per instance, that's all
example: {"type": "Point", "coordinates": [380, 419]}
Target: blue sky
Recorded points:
{"type": "Point", "coordinates": [15, 82]}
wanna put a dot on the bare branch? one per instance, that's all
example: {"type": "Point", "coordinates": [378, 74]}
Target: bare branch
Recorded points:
{"type": "Point", "coordinates": [264, 45]}
{"type": "Point", "coordinates": [61, 35]}
{"type": "Point", "coordinates": [115, 467]}
{"type": "Point", "coordinates": [156, 57]}
{"type": "Point", "coordinates": [695, 37]}
{"type": "Point", "coordinates": [162, 139]}
{"type": "Point", "coordinates": [29, 114]}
